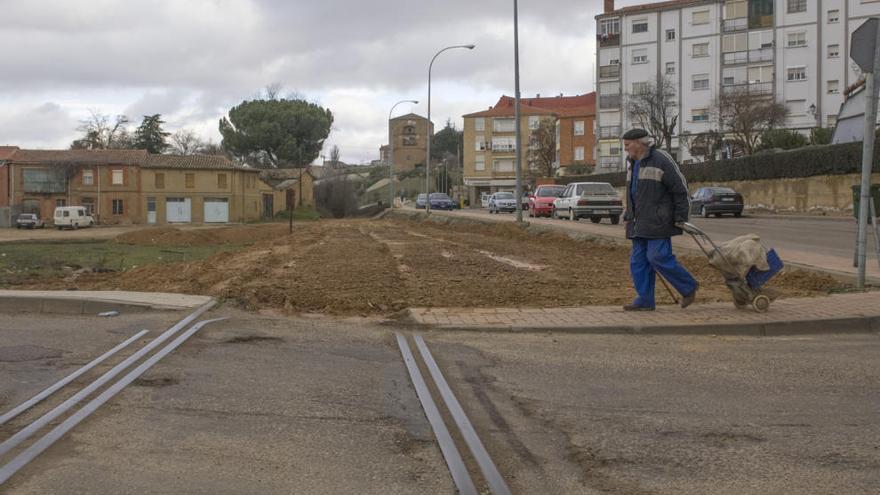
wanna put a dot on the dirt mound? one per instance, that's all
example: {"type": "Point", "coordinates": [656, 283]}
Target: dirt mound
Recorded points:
{"type": "Point", "coordinates": [211, 236]}
{"type": "Point", "coordinates": [382, 266]}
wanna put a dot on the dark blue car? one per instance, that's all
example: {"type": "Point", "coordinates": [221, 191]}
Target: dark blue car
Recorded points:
{"type": "Point", "coordinates": [440, 201]}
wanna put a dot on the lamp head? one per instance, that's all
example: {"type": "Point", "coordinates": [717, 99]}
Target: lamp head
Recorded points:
{"type": "Point", "coordinates": [470, 47]}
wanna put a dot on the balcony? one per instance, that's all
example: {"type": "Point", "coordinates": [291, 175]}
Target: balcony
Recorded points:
{"type": "Point", "coordinates": [606, 40]}
{"type": "Point", "coordinates": [609, 101]}
{"type": "Point", "coordinates": [609, 132]}
{"type": "Point", "coordinates": [610, 163]}
{"type": "Point", "coordinates": [609, 72]}
{"type": "Point", "coordinates": [757, 89]}
{"type": "Point", "coordinates": [740, 24]}
{"type": "Point", "coordinates": [751, 56]}
{"type": "Point", "coordinates": [503, 148]}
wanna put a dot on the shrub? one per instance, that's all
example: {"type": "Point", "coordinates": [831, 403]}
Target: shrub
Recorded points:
{"type": "Point", "coordinates": [781, 139]}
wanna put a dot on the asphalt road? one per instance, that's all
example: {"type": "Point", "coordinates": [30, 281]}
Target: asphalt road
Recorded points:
{"type": "Point", "coordinates": [260, 404]}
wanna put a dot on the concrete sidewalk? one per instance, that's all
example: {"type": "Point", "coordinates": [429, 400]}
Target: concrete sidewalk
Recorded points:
{"type": "Point", "coordinates": [845, 313]}
{"type": "Point", "coordinates": [93, 302]}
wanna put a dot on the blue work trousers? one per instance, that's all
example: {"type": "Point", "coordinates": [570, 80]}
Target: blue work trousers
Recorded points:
{"type": "Point", "coordinates": [651, 256]}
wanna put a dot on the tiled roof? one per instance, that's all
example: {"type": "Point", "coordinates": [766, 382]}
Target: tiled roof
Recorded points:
{"type": "Point", "coordinates": [197, 162]}
{"type": "Point", "coordinates": [91, 157]}
{"type": "Point", "coordinates": [410, 116]}
{"type": "Point", "coordinates": [671, 4]}
{"type": "Point", "coordinates": [561, 106]}
{"type": "Point", "coordinates": [6, 152]}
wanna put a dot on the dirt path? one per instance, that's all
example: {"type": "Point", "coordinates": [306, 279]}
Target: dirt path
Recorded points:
{"type": "Point", "coordinates": [379, 267]}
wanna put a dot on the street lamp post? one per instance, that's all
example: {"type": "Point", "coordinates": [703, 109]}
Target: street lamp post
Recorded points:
{"type": "Point", "coordinates": [391, 152]}
{"type": "Point", "coordinates": [430, 133]}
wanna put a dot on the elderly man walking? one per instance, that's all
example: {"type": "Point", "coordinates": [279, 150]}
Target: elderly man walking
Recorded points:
{"type": "Point", "coordinates": [656, 208]}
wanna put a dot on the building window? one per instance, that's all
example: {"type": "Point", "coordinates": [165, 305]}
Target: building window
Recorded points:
{"type": "Point", "coordinates": [503, 125]}
{"type": "Point", "coordinates": [480, 142]}
{"type": "Point", "coordinates": [796, 107]}
{"type": "Point", "coordinates": [503, 165]}
{"type": "Point", "coordinates": [479, 162]}
{"type": "Point", "coordinates": [833, 51]}
{"type": "Point", "coordinates": [639, 88]}
{"type": "Point", "coordinates": [221, 181]}
{"type": "Point", "coordinates": [640, 56]}
{"type": "Point", "coordinates": [670, 68]}
{"type": "Point", "coordinates": [61, 202]}
{"type": "Point", "coordinates": [190, 180]}
{"type": "Point", "coordinates": [640, 26]}
{"type": "Point", "coordinates": [833, 87]}
{"type": "Point", "coordinates": [700, 17]}
{"type": "Point", "coordinates": [480, 124]}
{"type": "Point", "coordinates": [700, 50]}
{"type": "Point", "coordinates": [614, 151]}
{"type": "Point", "coordinates": [700, 115]}
{"type": "Point", "coordinates": [797, 6]}
{"type": "Point", "coordinates": [116, 177]}
{"type": "Point", "coordinates": [534, 122]}
{"type": "Point", "coordinates": [797, 73]}
{"type": "Point", "coordinates": [117, 207]}
{"type": "Point", "coordinates": [700, 82]}
{"type": "Point", "coordinates": [578, 127]}
{"type": "Point", "coordinates": [670, 35]}
{"type": "Point", "coordinates": [796, 39]}
{"type": "Point", "coordinates": [608, 27]}
{"type": "Point", "coordinates": [159, 181]}
{"type": "Point", "coordinates": [88, 178]}
{"type": "Point", "coordinates": [833, 16]}
{"type": "Point", "coordinates": [736, 10]}
{"type": "Point", "coordinates": [504, 143]}
{"type": "Point", "coordinates": [409, 140]}
{"type": "Point", "coordinates": [579, 153]}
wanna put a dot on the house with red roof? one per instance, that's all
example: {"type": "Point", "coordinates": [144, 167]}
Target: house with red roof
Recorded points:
{"type": "Point", "coordinates": [490, 146]}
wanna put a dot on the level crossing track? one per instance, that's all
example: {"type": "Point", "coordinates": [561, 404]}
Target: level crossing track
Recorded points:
{"type": "Point", "coordinates": [463, 479]}
{"type": "Point", "coordinates": [29, 453]}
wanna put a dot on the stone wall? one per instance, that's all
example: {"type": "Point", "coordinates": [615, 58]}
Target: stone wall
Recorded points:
{"type": "Point", "coordinates": [831, 193]}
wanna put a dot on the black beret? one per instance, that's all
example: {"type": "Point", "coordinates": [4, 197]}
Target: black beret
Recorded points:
{"type": "Point", "coordinates": [635, 134]}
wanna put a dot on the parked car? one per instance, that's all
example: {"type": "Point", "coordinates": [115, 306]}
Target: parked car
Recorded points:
{"type": "Point", "coordinates": [441, 201]}
{"type": "Point", "coordinates": [541, 203]}
{"type": "Point", "coordinates": [72, 217]}
{"type": "Point", "coordinates": [421, 199]}
{"type": "Point", "coordinates": [29, 221]}
{"type": "Point", "coordinates": [484, 200]}
{"type": "Point", "coordinates": [593, 200]}
{"type": "Point", "coordinates": [502, 201]}
{"type": "Point", "coordinates": [716, 201]}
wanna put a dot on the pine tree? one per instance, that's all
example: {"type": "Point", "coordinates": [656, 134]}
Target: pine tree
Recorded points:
{"type": "Point", "coordinates": [150, 136]}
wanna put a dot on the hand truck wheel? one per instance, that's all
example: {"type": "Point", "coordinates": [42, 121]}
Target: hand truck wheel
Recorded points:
{"type": "Point", "coordinates": [761, 303]}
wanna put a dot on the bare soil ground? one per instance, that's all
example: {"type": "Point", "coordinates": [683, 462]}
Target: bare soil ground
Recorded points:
{"type": "Point", "coordinates": [360, 267]}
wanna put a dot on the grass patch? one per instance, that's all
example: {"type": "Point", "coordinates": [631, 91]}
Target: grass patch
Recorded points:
{"type": "Point", "coordinates": [27, 262]}
{"type": "Point", "coordinates": [303, 213]}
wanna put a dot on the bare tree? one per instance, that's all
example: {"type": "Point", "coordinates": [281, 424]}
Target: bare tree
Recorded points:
{"type": "Point", "coordinates": [186, 142]}
{"type": "Point", "coordinates": [542, 149]}
{"type": "Point", "coordinates": [334, 156]}
{"type": "Point", "coordinates": [746, 115]}
{"type": "Point", "coordinates": [655, 110]}
{"type": "Point", "coordinates": [99, 132]}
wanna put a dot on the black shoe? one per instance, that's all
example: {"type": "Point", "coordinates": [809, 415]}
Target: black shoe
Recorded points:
{"type": "Point", "coordinates": [689, 299]}
{"type": "Point", "coordinates": [636, 307]}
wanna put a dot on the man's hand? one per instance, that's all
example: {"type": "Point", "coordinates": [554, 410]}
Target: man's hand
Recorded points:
{"type": "Point", "coordinates": [679, 225]}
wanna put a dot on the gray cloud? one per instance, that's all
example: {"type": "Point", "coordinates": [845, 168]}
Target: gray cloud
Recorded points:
{"type": "Point", "coordinates": [192, 61]}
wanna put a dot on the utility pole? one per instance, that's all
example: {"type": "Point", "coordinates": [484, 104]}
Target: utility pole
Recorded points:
{"type": "Point", "coordinates": [518, 189]}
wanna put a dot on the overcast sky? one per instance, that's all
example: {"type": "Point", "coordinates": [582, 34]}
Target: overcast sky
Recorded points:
{"type": "Point", "coordinates": [193, 60]}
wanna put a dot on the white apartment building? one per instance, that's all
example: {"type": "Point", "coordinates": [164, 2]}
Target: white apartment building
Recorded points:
{"type": "Point", "coordinates": [796, 51]}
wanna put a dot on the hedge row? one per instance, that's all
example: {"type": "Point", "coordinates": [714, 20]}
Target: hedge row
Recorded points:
{"type": "Point", "coordinates": [832, 159]}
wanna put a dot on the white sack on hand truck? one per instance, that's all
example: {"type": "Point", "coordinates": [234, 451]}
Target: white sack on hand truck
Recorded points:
{"type": "Point", "coordinates": [738, 256]}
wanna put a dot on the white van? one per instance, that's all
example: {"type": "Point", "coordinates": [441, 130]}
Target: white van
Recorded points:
{"type": "Point", "coordinates": [73, 217]}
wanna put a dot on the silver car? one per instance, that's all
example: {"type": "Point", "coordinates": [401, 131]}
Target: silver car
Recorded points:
{"type": "Point", "coordinates": [593, 200]}
{"type": "Point", "coordinates": [502, 201]}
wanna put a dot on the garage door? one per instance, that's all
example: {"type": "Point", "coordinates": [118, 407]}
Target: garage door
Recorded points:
{"type": "Point", "coordinates": [216, 210]}
{"type": "Point", "coordinates": [178, 210]}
